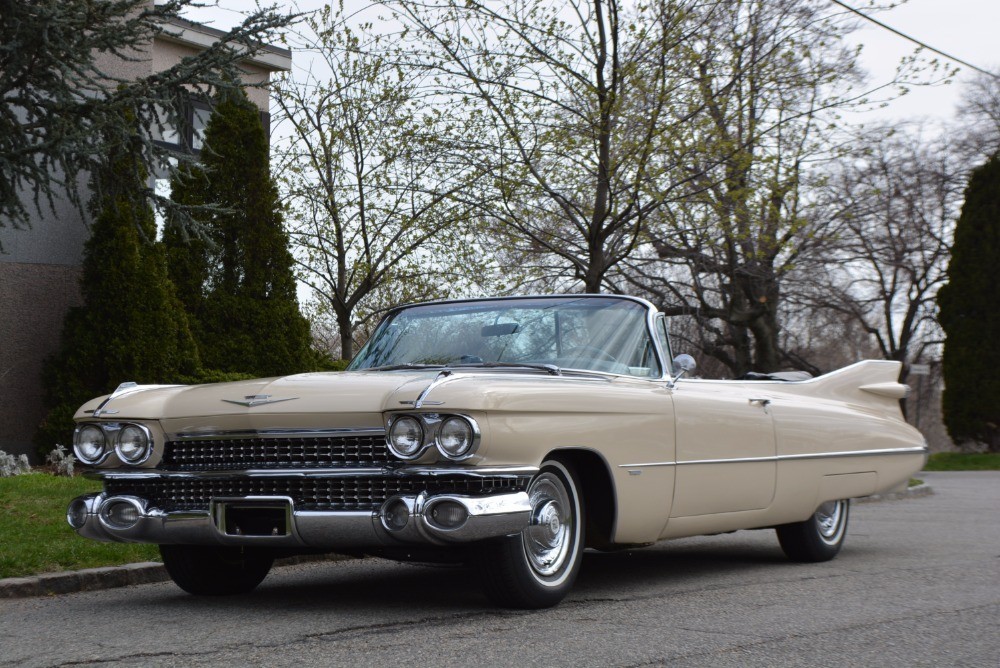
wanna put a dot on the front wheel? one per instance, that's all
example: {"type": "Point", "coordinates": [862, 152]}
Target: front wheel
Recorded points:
{"type": "Point", "coordinates": [536, 568]}
{"type": "Point", "coordinates": [820, 537]}
{"type": "Point", "coordinates": [215, 571]}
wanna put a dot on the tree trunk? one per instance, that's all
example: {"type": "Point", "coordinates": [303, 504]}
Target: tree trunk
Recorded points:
{"type": "Point", "coordinates": [346, 328]}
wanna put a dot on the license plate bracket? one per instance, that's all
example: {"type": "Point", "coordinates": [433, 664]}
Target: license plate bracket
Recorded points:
{"type": "Point", "coordinates": [254, 518]}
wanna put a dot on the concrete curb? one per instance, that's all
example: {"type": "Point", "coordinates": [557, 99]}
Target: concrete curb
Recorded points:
{"type": "Point", "coordinates": [91, 579]}
{"type": "Point", "coordinates": [110, 577]}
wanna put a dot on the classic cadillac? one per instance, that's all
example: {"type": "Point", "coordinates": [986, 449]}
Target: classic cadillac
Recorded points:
{"type": "Point", "coordinates": [510, 434]}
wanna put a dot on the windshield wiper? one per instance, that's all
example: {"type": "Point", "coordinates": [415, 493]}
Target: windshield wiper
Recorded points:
{"type": "Point", "coordinates": [551, 369]}
{"type": "Point", "coordinates": [407, 365]}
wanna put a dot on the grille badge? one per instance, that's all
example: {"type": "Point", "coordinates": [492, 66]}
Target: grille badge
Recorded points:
{"type": "Point", "coordinates": [252, 400]}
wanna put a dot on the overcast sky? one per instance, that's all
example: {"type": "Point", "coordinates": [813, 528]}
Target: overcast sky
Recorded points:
{"type": "Point", "coordinates": [966, 29]}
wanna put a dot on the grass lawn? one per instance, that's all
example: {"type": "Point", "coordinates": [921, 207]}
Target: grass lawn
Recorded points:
{"type": "Point", "coordinates": [958, 461]}
{"type": "Point", "coordinates": [34, 536]}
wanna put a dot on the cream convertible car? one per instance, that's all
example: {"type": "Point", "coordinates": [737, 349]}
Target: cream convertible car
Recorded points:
{"type": "Point", "coordinates": [507, 433]}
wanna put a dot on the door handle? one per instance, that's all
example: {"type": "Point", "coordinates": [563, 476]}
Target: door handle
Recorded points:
{"type": "Point", "coordinates": [763, 403]}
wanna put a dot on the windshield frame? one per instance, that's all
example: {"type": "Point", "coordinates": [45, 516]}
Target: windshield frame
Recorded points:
{"type": "Point", "coordinates": [651, 315]}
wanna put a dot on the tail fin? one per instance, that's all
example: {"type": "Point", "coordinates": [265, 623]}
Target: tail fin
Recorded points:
{"type": "Point", "coordinates": [873, 383]}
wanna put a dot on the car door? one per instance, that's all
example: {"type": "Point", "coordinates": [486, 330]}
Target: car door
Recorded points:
{"type": "Point", "coordinates": [726, 449]}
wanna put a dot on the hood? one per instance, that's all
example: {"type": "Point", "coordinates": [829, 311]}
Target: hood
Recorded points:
{"type": "Point", "coordinates": [343, 392]}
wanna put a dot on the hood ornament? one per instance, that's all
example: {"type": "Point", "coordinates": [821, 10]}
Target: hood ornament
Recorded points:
{"type": "Point", "coordinates": [252, 400]}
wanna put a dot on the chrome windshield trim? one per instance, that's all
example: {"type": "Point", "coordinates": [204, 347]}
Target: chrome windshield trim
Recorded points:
{"type": "Point", "coordinates": [650, 317]}
{"type": "Point", "coordinates": [780, 458]}
{"type": "Point", "coordinates": [274, 433]}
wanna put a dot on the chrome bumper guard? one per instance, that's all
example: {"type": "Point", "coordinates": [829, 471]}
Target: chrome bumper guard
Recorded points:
{"type": "Point", "coordinates": [437, 519]}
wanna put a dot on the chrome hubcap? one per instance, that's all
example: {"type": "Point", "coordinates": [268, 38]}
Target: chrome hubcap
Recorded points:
{"type": "Point", "coordinates": [548, 538]}
{"type": "Point", "coordinates": [830, 519]}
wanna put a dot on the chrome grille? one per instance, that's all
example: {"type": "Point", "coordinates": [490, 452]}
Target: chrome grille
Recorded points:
{"type": "Point", "coordinates": [256, 452]}
{"type": "Point", "coordinates": [315, 493]}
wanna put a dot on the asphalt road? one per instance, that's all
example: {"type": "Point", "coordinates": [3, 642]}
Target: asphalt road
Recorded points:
{"type": "Point", "coordinates": [918, 584]}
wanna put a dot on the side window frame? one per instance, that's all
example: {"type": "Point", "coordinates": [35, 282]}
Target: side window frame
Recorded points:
{"type": "Point", "coordinates": [663, 340]}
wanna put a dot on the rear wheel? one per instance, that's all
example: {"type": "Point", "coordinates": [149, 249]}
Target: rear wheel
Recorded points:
{"type": "Point", "coordinates": [820, 537]}
{"type": "Point", "coordinates": [215, 571]}
{"type": "Point", "coordinates": [537, 567]}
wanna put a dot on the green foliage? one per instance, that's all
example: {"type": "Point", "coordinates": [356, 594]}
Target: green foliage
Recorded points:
{"type": "Point", "coordinates": [65, 99]}
{"type": "Point", "coordinates": [236, 281]}
{"type": "Point", "coordinates": [33, 509]}
{"type": "Point", "coordinates": [376, 194]}
{"type": "Point", "coordinates": [970, 317]}
{"type": "Point", "coordinates": [205, 376]}
{"type": "Point", "coordinates": [131, 325]}
{"type": "Point", "coordinates": [960, 461]}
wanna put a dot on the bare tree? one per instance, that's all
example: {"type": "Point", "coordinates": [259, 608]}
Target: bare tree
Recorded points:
{"type": "Point", "coordinates": [771, 78]}
{"type": "Point", "coordinates": [574, 102]}
{"type": "Point", "coordinates": [897, 207]}
{"type": "Point", "coordinates": [978, 116]}
{"type": "Point", "coordinates": [371, 186]}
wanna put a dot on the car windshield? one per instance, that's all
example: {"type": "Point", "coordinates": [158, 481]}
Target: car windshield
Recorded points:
{"type": "Point", "coordinates": [605, 334]}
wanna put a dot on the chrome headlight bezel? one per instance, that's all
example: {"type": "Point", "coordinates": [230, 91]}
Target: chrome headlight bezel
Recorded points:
{"type": "Point", "coordinates": [144, 453]}
{"type": "Point", "coordinates": [431, 437]}
{"type": "Point", "coordinates": [105, 451]}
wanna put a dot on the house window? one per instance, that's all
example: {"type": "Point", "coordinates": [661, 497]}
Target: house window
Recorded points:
{"type": "Point", "coordinates": [188, 136]}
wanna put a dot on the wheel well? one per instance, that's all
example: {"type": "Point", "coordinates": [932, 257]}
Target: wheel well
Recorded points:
{"type": "Point", "coordinates": [597, 491]}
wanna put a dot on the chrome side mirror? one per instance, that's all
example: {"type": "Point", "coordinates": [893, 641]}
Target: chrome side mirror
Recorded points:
{"type": "Point", "coordinates": [682, 364]}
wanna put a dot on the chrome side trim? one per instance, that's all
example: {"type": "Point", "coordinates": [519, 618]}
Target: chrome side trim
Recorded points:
{"type": "Point", "coordinates": [920, 450]}
{"type": "Point", "coordinates": [779, 458]}
{"type": "Point", "coordinates": [273, 433]}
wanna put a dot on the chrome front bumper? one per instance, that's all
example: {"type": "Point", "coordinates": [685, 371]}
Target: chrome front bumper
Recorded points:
{"type": "Point", "coordinates": [400, 520]}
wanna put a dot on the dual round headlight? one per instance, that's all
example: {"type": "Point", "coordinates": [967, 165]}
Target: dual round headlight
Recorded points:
{"type": "Point", "coordinates": [90, 444]}
{"type": "Point", "coordinates": [406, 437]}
{"type": "Point", "coordinates": [455, 436]}
{"type": "Point", "coordinates": [132, 442]}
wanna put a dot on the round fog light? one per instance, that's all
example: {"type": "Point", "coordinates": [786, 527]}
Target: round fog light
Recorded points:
{"type": "Point", "coordinates": [120, 514]}
{"type": "Point", "coordinates": [448, 515]}
{"type": "Point", "coordinates": [395, 515]}
{"type": "Point", "coordinates": [76, 514]}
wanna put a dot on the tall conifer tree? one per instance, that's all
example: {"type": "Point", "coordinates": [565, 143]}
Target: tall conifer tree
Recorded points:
{"type": "Point", "coordinates": [970, 315]}
{"type": "Point", "coordinates": [237, 283]}
{"type": "Point", "coordinates": [131, 326]}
